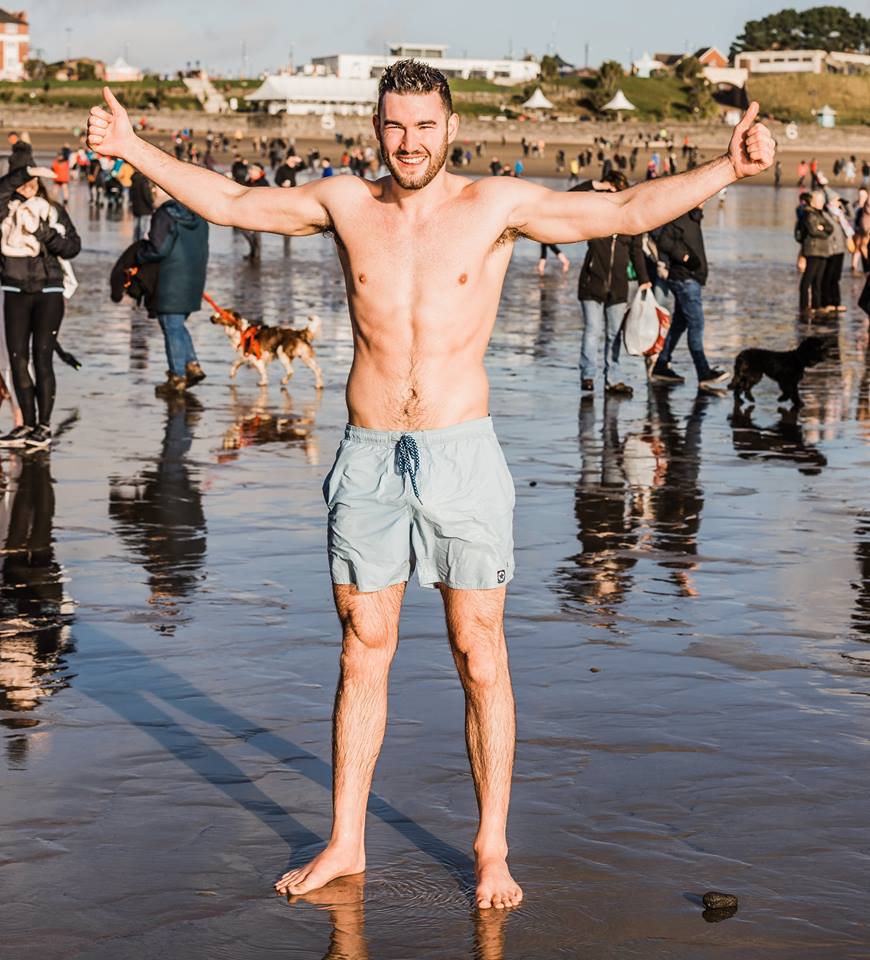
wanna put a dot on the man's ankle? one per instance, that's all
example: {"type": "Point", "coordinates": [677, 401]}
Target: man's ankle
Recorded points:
{"type": "Point", "coordinates": [490, 849]}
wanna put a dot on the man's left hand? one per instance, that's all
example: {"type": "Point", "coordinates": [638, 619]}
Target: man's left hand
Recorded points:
{"type": "Point", "coordinates": [752, 148]}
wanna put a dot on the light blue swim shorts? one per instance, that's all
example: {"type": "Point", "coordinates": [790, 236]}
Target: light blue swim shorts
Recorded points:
{"type": "Point", "coordinates": [438, 501]}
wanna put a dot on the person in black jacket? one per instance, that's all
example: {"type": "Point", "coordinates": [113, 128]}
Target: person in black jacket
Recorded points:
{"type": "Point", "coordinates": [178, 241]}
{"type": "Point", "coordinates": [603, 293]}
{"type": "Point", "coordinates": [141, 203]}
{"type": "Point", "coordinates": [33, 281]}
{"type": "Point", "coordinates": [681, 245]}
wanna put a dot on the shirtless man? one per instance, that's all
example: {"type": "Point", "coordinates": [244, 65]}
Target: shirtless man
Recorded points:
{"type": "Point", "coordinates": [419, 479]}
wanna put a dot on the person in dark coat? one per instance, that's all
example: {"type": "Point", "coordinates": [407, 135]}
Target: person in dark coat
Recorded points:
{"type": "Point", "coordinates": [680, 243]}
{"type": "Point", "coordinates": [141, 203]}
{"type": "Point", "coordinates": [603, 294]}
{"type": "Point", "coordinates": [22, 153]}
{"type": "Point", "coordinates": [35, 233]}
{"type": "Point", "coordinates": [178, 241]}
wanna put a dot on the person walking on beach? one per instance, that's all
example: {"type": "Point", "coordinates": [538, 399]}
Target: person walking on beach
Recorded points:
{"type": "Point", "coordinates": [178, 241]}
{"type": "Point", "coordinates": [36, 238]}
{"type": "Point", "coordinates": [141, 204]}
{"type": "Point", "coordinates": [603, 294]}
{"type": "Point", "coordinates": [419, 480]}
{"type": "Point", "coordinates": [682, 242]}
{"type": "Point", "coordinates": [60, 168]}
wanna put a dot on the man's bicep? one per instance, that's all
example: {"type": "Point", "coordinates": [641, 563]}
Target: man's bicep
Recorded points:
{"type": "Point", "coordinates": [297, 211]}
{"type": "Point", "coordinates": [552, 216]}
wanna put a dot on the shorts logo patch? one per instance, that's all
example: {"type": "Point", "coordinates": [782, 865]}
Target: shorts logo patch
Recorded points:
{"type": "Point", "coordinates": [500, 576]}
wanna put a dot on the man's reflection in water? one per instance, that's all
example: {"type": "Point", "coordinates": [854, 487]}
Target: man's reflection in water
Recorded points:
{"type": "Point", "coordinates": [601, 572]}
{"type": "Point", "coordinates": [861, 615]}
{"type": "Point", "coordinates": [255, 424]}
{"type": "Point", "coordinates": [344, 899]}
{"type": "Point", "coordinates": [159, 513]}
{"type": "Point", "coordinates": [676, 500]}
{"type": "Point", "coordinates": [34, 616]}
{"type": "Point", "coordinates": [637, 494]}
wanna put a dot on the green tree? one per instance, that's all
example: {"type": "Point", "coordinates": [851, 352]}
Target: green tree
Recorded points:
{"type": "Point", "coordinates": [819, 28]}
{"type": "Point", "coordinates": [549, 68]}
{"type": "Point", "coordinates": [35, 69]}
{"type": "Point", "coordinates": [689, 69]}
{"type": "Point", "coordinates": [610, 75]}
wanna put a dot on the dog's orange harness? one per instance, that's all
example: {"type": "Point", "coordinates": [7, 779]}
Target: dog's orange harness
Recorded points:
{"type": "Point", "coordinates": [249, 342]}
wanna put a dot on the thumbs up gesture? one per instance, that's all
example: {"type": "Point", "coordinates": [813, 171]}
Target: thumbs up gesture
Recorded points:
{"type": "Point", "coordinates": [110, 132]}
{"type": "Point", "coordinates": [752, 148]}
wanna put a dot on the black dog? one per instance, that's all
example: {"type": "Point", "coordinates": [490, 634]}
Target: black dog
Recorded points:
{"type": "Point", "coordinates": [786, 367]}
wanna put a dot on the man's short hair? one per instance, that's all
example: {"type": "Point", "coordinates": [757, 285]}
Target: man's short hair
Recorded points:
{"type": "Point", "coordinates": [414, 76]}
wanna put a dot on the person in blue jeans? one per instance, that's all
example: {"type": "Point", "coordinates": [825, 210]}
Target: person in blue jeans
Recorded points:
{"type": "Point", "coordinates": [680, 244]}
{"type": "Point", "coordinates": [178, 241]}
{"type": "Point", "coordinates": [603, 294]}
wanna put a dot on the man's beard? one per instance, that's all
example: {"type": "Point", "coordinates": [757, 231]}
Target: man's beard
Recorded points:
{"type": "Point", "coordinates": [417, 181]}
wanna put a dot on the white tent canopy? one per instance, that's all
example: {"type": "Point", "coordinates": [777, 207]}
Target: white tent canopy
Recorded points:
{"type": "Point", "coordinates": [537, 101]}
{"type": "Point", "coordinates": [619, 102]}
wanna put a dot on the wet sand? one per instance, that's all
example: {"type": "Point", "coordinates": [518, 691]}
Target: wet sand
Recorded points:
{"type": "Point", "coordinates": [688, 627]}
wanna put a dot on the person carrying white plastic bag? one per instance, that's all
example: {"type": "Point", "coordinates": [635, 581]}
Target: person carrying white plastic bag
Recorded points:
{"type": "Point", "coordinates": [603, 292]}
{"type": "Point", "coordinates": [645, 326]}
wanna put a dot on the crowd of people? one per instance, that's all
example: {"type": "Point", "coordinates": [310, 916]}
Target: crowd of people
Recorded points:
{"type": "Point", "coordinates": [828, 230]}
{"type": "Point", "coordinates": [671, 261]}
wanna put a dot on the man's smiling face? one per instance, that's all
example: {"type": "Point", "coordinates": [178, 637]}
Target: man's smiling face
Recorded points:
{"type": "Point", "coordinates": [414, 132]}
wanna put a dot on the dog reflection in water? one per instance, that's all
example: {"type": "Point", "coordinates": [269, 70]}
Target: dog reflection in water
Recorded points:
{"type": "Point", "coordinates": [254, 424]}
{"type": "Point", "coordinates": [344, 900]}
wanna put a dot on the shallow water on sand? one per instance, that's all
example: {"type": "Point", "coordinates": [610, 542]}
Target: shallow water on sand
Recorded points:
{"type": "Point", "coordinates": [689, 635]}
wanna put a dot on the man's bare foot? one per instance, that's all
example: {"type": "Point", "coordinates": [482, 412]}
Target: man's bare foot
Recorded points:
{"type": "Point", "coordinates": [495, 886]}
{"type": "Point", "coordinates": [330, 863]}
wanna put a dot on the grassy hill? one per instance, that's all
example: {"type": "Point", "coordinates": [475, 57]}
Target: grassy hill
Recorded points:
{"type": "Point", "coordinates": [794, 97]}
{"type": "Point", "coordinates": [665, 98]}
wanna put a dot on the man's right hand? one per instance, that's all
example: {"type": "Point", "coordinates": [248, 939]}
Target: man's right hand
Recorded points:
{"type": "Point", "coordinates": [110, 133]}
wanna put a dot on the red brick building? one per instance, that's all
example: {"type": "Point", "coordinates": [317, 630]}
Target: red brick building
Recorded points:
{"type": "Point", "coordinates": [14, 45]}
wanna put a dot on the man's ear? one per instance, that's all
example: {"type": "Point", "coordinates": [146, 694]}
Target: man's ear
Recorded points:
{"type": "Point", "coordinates": [452, 127]}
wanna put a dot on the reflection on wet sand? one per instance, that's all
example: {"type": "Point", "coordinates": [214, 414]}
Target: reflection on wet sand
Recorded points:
{"type": "Point", "coordinates": [254, 424]}
{"type": "Point", "coordinates": [782, 440]}
{"type": "Point", "coordinates": [34, 615]}
{"type": "Point", "coordinates": [638, 494]}
{"type": "Point", "coordinates": [344, 900]}
{"type": "Point", "coordinates": [159, 514]}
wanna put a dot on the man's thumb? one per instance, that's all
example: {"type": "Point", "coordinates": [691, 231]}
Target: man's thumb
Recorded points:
{"type": "Point", "coordinates": [748, 118]}
{"type": "Point", "coordinates": [111, 100]}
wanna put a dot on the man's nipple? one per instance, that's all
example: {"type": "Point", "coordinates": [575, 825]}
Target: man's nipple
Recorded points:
{"type": "Point", "coordinates": [463, 278]}
{"type": "Point", "coordinates": [362, 278]}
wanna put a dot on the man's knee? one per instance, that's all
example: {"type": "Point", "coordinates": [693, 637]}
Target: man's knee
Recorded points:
{"type": "Point", "coordinates": [480, 652]}
{"type": "Point", "coordinates": [370, 629]}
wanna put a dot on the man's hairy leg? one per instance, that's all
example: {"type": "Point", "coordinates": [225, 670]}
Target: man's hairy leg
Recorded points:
{"type": "Point", "coordinates": [476, 630]}
{"type": "Point", "coordinates": [370, 635]}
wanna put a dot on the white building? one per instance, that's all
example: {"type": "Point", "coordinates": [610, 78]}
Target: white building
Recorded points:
{"type": "Point", "coordinates": [301, 95]}
{"type": "Point", "coordinates": [121, 72]}
{"type": "Point", "coordinates": [365, 66]}
{"type": "Point", "coordinates": [14, 45]}
{"type": "Point", "coordinates": [800, 61]}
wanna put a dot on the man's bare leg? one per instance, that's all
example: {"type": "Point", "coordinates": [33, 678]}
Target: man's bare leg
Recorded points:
{"type": "Point", "coordinates": [370, 628]}
{"type": "Point", "coordinates": [476, 631]}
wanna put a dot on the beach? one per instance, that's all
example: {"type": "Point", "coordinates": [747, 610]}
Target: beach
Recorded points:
{"type": "Point", "coordinates": [688, 631]}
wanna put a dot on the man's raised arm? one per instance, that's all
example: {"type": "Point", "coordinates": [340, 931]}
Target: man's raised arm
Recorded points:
{"type": "Point", "coordinates": [553, 217]}
{"type": "Point", "coordinates": [293, 212]}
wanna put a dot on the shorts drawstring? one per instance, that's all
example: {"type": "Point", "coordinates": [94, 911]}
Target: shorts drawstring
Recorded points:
{"type": "Point", "coordinates": [408, 460]}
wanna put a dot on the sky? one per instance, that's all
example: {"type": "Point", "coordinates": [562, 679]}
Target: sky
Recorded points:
{"type": "Point", "coordinates": [165, 35]}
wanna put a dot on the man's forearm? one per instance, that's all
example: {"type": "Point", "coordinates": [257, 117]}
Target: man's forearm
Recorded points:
{"type": "Point", "coordinates": [203, 191]}
{"type": "Point", "coordinates": [656, 202]}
